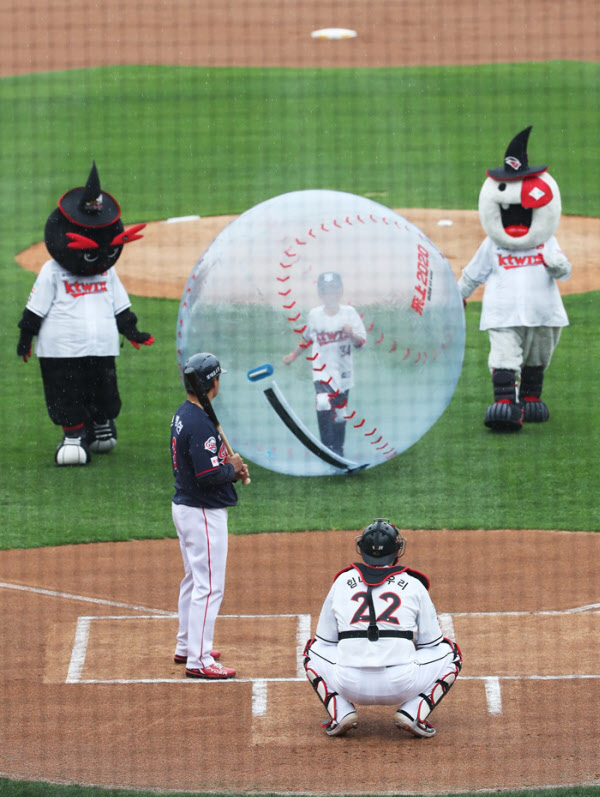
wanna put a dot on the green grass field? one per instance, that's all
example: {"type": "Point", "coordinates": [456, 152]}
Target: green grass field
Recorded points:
{"type": "Point", "coordinates": [457, 476]}
{"type": "Point", "coordinates": [168, 141]}
{"type": "Point", "coordinates": [172, 141]}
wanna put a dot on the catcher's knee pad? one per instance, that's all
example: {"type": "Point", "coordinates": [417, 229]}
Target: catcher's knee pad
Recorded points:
{"type": "Point", "coordinates": [457, 655]}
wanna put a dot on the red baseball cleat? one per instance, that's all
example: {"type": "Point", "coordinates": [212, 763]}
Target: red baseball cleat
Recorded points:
{"type": "Point", "coordinates": [213, 672]}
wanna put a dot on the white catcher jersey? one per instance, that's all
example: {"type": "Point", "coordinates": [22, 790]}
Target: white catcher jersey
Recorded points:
{"type": "Point", "coordinates": [401, 602]}
{"type": "Point", "coordinates": [332, 346]}
{"type": "Point", "coordinates": [78, 312]}
{"type": "Point", "coordinates": [519, 291]}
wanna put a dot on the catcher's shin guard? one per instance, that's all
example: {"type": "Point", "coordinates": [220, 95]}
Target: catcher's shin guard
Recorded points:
{"type": "Point", "coordinates": [505, 414]}
{"type": "Point", "coordinates": [335, 726]}
{"type": "Point", "coordinates": [414, 720]}
{"type": "Point", "coordinates": [532, 381]}
{"type": "Point", "coordinates": [327, 698]}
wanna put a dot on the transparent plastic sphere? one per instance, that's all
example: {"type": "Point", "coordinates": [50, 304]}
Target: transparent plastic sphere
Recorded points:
{"type": "Point", "coordinates": [248, 301]}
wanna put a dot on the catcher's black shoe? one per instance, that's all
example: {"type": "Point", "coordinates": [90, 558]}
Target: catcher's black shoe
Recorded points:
{"type": "Point", "coordinates": [504, 416]}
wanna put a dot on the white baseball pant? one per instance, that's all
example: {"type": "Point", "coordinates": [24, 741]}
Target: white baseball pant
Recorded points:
{"type": "Point", "coordinates": [400, 685]}
{"type": "Point", "coordinates": [203, 540]}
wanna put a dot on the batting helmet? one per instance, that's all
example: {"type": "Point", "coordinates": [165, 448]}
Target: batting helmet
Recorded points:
{"type": "Point", "coordinates": [206, 367]}
{"type": "Point", "coordinates": [381, 543]}
{"type": "Point", "coordinates": [329, 282]}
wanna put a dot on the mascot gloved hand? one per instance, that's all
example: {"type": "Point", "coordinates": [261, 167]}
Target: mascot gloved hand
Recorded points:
{"type": "Point", "coordinates": [519, 262]}
{"type": "Point", "coordinates": [77, 308]}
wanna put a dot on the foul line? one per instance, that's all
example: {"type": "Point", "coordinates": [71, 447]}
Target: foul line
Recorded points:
{"type": "Point", "coordinates": [101, 601]}
{"type": "Point", "coordinates": [590, 607]}
{"type": "Point", "coordinates": [593, 608]}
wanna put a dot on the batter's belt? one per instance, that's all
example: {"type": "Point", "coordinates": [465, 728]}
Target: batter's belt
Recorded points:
{"type": "Point", "coordinates": [381, 633]}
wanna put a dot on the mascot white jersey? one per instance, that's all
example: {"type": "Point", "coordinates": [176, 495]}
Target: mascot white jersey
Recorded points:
{"type": "Point", "coordinates": [519, 262]}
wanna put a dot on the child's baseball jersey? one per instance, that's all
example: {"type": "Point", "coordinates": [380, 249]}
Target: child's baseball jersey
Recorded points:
{"type": "Point", "coordinates": [332, 345]}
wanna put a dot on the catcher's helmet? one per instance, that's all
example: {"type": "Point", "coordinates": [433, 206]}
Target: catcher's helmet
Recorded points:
{"type": "Point", "coordinates": [329, 282]}
{"type": "Point", "coordinates": [206, 367]}
{"type": "Point", "coordinates": [381, 543]}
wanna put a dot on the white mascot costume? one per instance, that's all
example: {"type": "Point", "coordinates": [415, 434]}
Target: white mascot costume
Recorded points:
{"type": "Point", "coordinates": [519, 261]}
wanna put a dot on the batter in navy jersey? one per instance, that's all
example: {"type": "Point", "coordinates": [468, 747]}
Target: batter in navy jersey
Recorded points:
{"type": "Point", "coordinates": [204, 490]}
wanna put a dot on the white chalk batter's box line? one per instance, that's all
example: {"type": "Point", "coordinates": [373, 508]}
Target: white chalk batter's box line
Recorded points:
{"type": "Point", "coordinates": [82, 635]}
{"type": "Point", "coordinates": [492, 686]}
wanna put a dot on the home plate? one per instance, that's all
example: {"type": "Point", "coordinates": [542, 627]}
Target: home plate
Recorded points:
{"type": "Point", "coordinates": [333, 33]}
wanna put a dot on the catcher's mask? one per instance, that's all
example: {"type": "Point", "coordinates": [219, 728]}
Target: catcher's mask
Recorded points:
{"type": "Point", "coordinates": [206, 367]}
{"type": "Point", "coordinates": [381, 543]}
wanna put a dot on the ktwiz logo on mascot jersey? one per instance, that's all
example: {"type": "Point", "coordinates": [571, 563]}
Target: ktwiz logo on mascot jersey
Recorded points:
{"type": "Point", "coordinates": [76, 289]}
{"type": "Point", "coordinates": [520, 261]}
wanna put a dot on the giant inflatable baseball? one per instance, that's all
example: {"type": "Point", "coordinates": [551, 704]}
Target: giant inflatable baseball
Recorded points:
{"type": "Point", "coordinates": [340, 325]}
{"type": "Point", "coordinates": [77, 308]}
{"type": "Point", "coordinates": [519, 261]}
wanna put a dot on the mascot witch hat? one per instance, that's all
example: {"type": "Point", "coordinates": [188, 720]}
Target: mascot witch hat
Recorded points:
{"type": "Point", "coordinates": [85, 233]}
{"type": "Point", "coordinates": [89, 206]}
{"type": "Point", "coordinates": [516, 163]}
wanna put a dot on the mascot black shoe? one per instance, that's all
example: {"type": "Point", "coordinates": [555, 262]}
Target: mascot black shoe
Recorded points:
{"type": "Point", "coordinates": [77, 308]}
{"type": "Point", "coordinates": [519, 261]}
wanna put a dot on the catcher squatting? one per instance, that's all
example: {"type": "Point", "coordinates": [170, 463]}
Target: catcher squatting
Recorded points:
{"type": "Point", "coordinates": [378, 640]}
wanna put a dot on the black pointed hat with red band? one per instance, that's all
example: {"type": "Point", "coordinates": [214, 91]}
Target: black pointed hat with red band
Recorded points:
{"type": "Point", "coordinates": [88, 205]}
{"type": "Point", "coordinates": [516, 163]}
{"type": "Point", "coordinates": [85, 234]}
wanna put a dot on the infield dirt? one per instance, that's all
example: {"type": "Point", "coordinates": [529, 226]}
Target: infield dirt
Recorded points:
{"type": "Point", "coordinates": [161, 262]}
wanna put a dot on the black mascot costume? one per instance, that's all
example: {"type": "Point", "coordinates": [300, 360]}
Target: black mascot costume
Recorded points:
{"type": "Point", "coordinates": [77, 308]}
{"type": "Point", "coordinates": [519, 262]}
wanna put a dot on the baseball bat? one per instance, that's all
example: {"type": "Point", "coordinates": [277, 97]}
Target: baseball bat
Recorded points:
{"type": "Point", "coordinates": [208, 408]}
